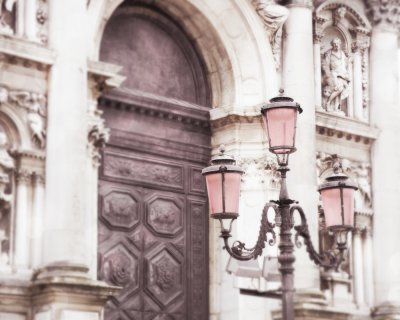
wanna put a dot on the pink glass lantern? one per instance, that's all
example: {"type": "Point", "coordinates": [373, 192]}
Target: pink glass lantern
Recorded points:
{"type": "Point", "coordinates": [337, 194]}
{"type": "Point", "coordinates": [223, 179]}
{"type": "Point", "coordinates": [279, 117]}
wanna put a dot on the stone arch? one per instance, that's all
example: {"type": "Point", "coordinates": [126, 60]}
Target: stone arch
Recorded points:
{"type": "Point", "coordinates": [15, 129]}
{"type": "Point", "coordinates": [224, 37]}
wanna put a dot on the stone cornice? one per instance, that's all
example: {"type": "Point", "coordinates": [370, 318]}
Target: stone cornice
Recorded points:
{"type": "Point", "coordinates": [384, 14]}
{"type": "Point", "coordinates": [105, 74]}
{"type": "Point", "coordinates": [235, 118]}
{"type": "Point", "coordinates": [345, 128]}
{"type": "Point", "coordinates": [25, 53]}
{"type": "Point", "coordinates": [156, 106]}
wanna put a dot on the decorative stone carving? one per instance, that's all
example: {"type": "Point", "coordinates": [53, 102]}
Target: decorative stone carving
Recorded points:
{"type": "Point", "coordinates": [336, 77]}
{"type": "Point", "coordinates": [260, 171]}
{"type": "Point", "coordinates": [6, 168]}
{"type": "Point", "coordinates": [273, 17]}
{"type": "Point", "coordinates": [120, 210]}
{"type": "Point", "coordinates": [98, 136]}
{"type": "Point", "coordinates": [42, 20]}
{"type": "Point", "coordinates": [338, 15]}
{"type": "Point", "coordinates": [35, 106]}
{"type": "Point", "coordinates": [6, 17]}
{"type": "Point", "coordinates": [384, 13]}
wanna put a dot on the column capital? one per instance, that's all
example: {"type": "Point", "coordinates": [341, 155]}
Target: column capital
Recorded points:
{"type": "Point", "coordinates": [23, 176]}
{"type": "Point", "coordinates": [384, 14]}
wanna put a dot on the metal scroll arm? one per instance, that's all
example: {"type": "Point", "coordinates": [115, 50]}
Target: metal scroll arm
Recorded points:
{"type": "Point", "coordinates": [329, 259]}
{"type": "Point", "coordinates": [239, 250]}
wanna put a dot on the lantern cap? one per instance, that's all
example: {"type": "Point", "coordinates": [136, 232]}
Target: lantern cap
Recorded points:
{"type": "Point", "coordinates": [281, 101]}
{"type": "Point", "coordinates": [337, 180]}
{"type": "Point", "coordinates": [222, 163]}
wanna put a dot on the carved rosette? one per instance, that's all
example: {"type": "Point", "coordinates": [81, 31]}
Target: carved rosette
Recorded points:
{"type": "Point", "coordinates": [273, 17]}
{"type": "Point", "coordinates": [384, 14]}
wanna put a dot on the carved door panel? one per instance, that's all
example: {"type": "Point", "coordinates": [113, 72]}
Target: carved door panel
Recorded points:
{"type": "Point", "coordinates": [153, 235]}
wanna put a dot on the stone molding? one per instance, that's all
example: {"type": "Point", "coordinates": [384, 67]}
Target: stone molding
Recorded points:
{"type": "Point", "coordinates": [384, 14]}
{"type": "Point", "coordinates": [160, 107]}
{"type": "Point", "coordinates": [341, 127]}
{"type": "Point", "coordinates": [232, 118]}
{"type": "Point", "coordinates": [26, 54]}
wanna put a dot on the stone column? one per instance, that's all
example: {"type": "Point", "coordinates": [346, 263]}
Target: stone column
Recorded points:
{"type": "Point", "coordinates": [30, 19]}
{"type": "Point", "coordinates": [37, 220]}
{"type": "Point", "coordinates": [368, 268]}
{"type": "Point", "coordinates": [20, 17]}
{"type": "Point", "coordinates": [385, 114]}
{"type": "Point", "coordinates": [67, 136]}
{"type": "Point", "coordinates": [298, 82]}
{"type": "Point", "coordinates": [317, 71]}
{"type": "Point", "coordinates": [21, 256]}
{"type": "Point", "coordinates": [64, 288]}
{"type": "Point", "coordinates": [358, 268]}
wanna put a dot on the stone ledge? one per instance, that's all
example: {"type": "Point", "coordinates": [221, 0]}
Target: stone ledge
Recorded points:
{"type": "Point", "coordinates": [345, 128]}
{"type": "Point", "coordinates": [28, 52]}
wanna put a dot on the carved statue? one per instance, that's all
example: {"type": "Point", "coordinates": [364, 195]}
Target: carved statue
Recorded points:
{"type": "Point", "coordinates": [34, 103]}
{"type": "Point", "coordinates": [336, 75]}
{"type": "Point", "coordinates": [6, 166]}
{"type": "Point", "coordinates": [273, 17]}
{"type": "Point", "coordinates": [6, 7]}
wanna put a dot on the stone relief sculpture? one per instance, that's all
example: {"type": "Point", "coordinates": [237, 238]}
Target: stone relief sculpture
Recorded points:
{"type": "Point", "coordinates": [336, 77]}
{"type": "Point", "coordinates": [6, 19]}
{"type": "Point", "coordinates": [341, 36]}
{"type": "Point", "coordinates": [6, 168]}
{"type": "Point", "coordinates": [273, 16]}
{"type": "Point", "coordinates": [35, 105]}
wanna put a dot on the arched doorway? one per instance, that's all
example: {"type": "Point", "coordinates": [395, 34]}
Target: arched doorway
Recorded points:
{"type": "Point", "coordinates": [153, 221]}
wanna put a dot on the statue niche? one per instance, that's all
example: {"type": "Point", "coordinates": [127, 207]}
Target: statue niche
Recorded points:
{"type": "Point", "coordinates": [335, 78]}
{"type": "Point", "coordinates": [6, 177]}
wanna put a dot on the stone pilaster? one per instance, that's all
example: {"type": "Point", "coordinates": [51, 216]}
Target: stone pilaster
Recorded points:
{"type": "Point", "coordinates": [298, 83]}
{"type": "Point", "coordinates": [385, 115]}
{"type": "Point", "coordinates": [64, 288]}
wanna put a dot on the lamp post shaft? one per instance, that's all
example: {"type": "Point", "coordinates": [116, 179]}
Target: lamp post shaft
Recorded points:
{"type": "Point", "coordinates": [286, 257]}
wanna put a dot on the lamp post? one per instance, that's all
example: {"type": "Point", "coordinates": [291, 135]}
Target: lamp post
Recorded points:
{"type": "Point", "coordinates": [337, 193]}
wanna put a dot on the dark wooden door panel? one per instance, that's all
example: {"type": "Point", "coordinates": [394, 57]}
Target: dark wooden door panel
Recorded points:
{"type": "Point", "coordinates": [153, 236]}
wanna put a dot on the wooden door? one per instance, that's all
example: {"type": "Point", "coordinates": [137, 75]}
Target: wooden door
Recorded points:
{"type": "Point", "coordinates": [153, 216]}
{"type": "Point", "coordinates": [153, 212]}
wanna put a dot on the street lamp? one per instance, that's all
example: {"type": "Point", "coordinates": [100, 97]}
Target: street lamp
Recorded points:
{"type": "Point", "coordinates": [337, 193]}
